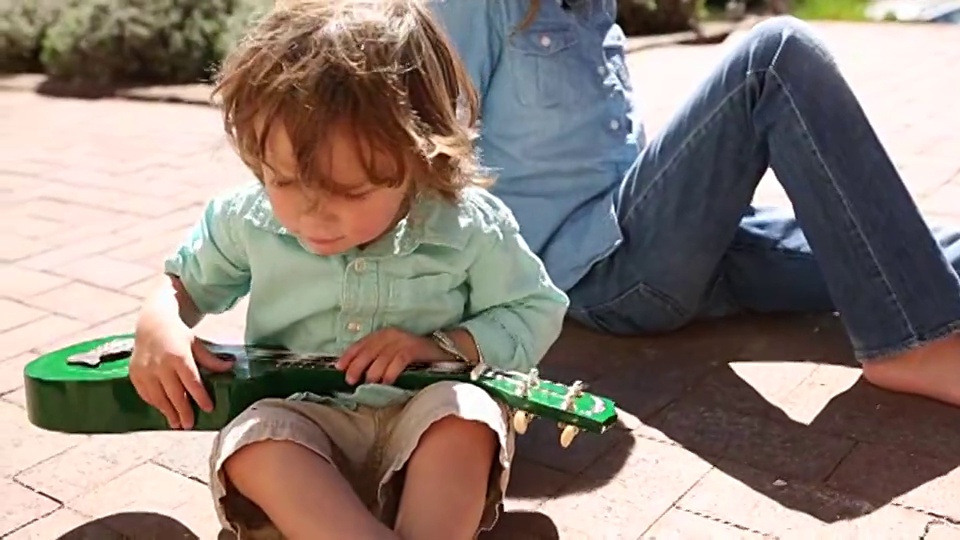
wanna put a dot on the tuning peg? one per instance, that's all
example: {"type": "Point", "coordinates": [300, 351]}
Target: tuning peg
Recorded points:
{"type": "Point", "coordinates": [568, 434]}
{"type": "Point", "coordinates": [521, 421]}
{"type": "Point", "coordinates": [529, 382]}
{"type": "Point", "coordinates": [574, 392]}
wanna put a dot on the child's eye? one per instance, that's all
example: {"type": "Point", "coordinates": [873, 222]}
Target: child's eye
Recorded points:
{"type": "Point", "coordinates": [357, 196]}
{"type": "Point", "coordinates": [281, 182]}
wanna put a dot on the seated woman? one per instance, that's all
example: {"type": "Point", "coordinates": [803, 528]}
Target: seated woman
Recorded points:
{"type": "Point", "coordinates": [649, 235]}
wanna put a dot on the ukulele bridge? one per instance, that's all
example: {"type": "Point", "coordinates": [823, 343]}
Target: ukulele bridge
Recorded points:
{"type": "Point", "coordinates": [108, 352]}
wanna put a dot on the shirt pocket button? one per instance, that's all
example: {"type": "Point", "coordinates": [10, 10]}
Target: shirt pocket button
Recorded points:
{"type": "Point", "coordinates": [545, 66]}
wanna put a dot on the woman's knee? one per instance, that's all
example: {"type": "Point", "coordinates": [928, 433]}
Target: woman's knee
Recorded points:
{"type": "Point", "coordinates": [785, 43]}
{"type": "Point", "coordinates": [780, 28]}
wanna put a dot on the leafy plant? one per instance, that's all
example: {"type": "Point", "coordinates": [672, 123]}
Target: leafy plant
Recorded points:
{"type": "Point", "coordinates": [105, 42]}
{"type": "Point", "coordinates": [23, 24]}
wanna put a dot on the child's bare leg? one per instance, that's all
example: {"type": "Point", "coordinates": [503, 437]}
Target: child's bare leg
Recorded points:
{"type": "Point", "coordinates": [302, 493]}
{"type": "Point", "coordinates": [932, 371]}
{"type": "Point", "coordinates": [446, 481]}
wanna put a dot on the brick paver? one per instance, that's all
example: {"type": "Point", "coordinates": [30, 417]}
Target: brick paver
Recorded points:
{"type": "Point", "coordinates": [745, 429]}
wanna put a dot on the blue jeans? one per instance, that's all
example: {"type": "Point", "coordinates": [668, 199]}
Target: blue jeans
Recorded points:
{"type": "Point", "coordinates": [695, 248]}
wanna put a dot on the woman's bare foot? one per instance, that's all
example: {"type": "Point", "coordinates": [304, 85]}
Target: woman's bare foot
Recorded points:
{"type": "Point", "coordinates": [932, 371]}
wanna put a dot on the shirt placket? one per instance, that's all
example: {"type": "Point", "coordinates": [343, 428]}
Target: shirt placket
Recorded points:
{"type": "Point", "coordinates": [613, 69]}
{"type": "Point", "coordinates": [359, 301]}
{"type": "Point", "coordinates": [610, 59]}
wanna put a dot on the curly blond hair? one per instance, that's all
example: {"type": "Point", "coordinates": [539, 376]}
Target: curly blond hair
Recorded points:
{"type": "Point", "coordinates": [383, 68]}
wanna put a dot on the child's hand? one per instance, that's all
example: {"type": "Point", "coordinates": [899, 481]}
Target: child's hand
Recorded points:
{"type": "Point", "coordinates": [163, 369]}
{"type": "Point", "coordinates": [384, 354]}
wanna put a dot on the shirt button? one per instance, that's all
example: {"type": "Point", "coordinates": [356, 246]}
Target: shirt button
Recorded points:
{"type": "Point", "coordinates": [359, 265]}
{"type": "Point", "coordinates": [602, 70]}
{"type": "Point", "coordinates": [614, 125]}
{"type": "Point", "coordinates": [353, 326]}
{"type": "Point", "coordinates": [545, 40]}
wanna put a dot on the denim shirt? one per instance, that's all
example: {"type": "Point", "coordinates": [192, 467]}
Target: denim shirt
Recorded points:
{"type": "Point", "coordinates": [445, 265]}
{"type": "Point", "coordinates": [559, 122]}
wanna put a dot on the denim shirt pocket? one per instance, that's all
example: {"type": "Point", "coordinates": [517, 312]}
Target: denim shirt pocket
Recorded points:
{"type": "Point", "coordinates": [543, 61]}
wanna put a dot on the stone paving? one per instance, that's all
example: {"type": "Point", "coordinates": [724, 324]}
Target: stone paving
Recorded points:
{"type": "Point", "coordinates": [742, 429]}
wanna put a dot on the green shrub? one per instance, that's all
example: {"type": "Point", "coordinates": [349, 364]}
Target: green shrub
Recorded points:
{"type": "Point", "coordinates": [108, 42]}
{"type": "Point", "coordinates": [22, 27]}
{"type": "Point", "coordinates": [645, 17]}
{"type": "Point", "coordinates": [244, 13]}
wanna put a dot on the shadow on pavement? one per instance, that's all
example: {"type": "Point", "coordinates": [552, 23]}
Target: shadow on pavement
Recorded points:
{"type": "Point", "coordinates": [516, 524]}
{"type": "Point", "coordinates": [132, 526]}
{"type": "Point", "coordinates": [153, 526]}
{"type": "Point", "coordinates": [542, 468]}
{"type": "Point", "coordinates": [857, 452]}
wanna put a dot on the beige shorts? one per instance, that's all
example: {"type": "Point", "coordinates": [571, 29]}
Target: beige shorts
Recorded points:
{"type": "Point", "coordinates": [367, 445]}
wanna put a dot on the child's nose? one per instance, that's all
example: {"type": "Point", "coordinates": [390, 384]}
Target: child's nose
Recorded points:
{"type": "Point", "coordinates": [319, 216]}
{"type": "Point", "coordinates": [314, 205]}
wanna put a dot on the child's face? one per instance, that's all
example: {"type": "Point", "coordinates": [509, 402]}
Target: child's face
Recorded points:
{"type": "Point", "coordinates": [327, 223]}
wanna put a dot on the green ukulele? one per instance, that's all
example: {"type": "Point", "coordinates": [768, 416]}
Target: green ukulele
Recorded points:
{"type": "Point", "coordinates": [84, 388]}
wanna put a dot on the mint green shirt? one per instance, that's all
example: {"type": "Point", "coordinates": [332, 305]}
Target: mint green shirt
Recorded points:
{"type": "Point", "coordinates": [445, 265]}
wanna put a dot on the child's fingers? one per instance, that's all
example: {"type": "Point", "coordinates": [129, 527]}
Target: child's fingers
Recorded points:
{"type": "Point", "coordinates": [350, 353]}
{"type": "Point", "coordinates": [395, 368]}
{"type": "Point", "coordinates": [207, 359]}
{"type": "Point", "coordinates": [357, 368]}
{"type": "Point", "coordinates": [145, 374]}
{"type": "Point", "coordinates": [355, 364]}
{"type": "Point", "coordinates": [358, 365]}
{"type": "Point", "coordinates": [177, 394]}
{"type": "Point", "coordinates": [379, 367]}
{"type": "Point", "coordinates": [151, 390]}
{"type": "Point", "coordinates": [376, 340]}
{"type": "Point", "coordinates": [189, 376]}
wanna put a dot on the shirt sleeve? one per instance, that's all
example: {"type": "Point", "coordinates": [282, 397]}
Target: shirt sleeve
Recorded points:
{"type": "Point", "coordinates": [476, 28]}
{"type": "Point", "coordinates": [515, 312]}
{"type": "Point", "coordinates": [212, 262]}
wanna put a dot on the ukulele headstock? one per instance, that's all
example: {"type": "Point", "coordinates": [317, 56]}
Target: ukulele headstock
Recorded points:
{"type": "Point", "coordinates": [574, 408]}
